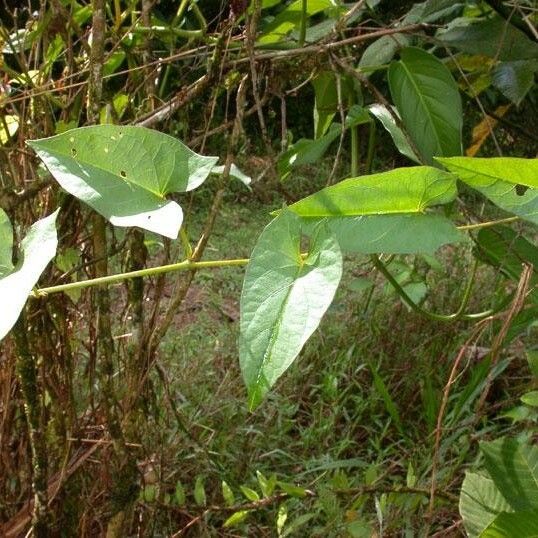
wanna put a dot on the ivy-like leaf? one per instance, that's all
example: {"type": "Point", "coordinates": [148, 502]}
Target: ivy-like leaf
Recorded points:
{"type": "Point", "coordinates": [283, 300]}
{"type": "Point", "coordinates": [36, 251]}
{"type": "Point", "coordinates": [125, 173]}
{"type": "Point", "coordinates": [429, 103]}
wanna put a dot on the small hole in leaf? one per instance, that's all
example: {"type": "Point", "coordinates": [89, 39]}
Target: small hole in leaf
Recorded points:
{"type": "Point", "coordinates": [521, 189]}
{"type": "Point", "coordinates": [122, 173]}
{"type": "Point", "coordinates": [73, 152]}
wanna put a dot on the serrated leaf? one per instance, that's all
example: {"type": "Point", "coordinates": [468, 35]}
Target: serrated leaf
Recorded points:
{"type": "Point", "coordinates": [267, 485]}
{"type": "Point", "coordinates": [199, 491]}
{"type": "Point", "coordinates": [513, 466]}
{"type": "Point", "coordinates": [249, 493]}
{"type": "Point", "coordinates": [281, 518]}
{"type": "Point", "coordinates": [480, 503]}
{"type": "Point", "coordinates": [429, 103]}
{"type": "Point", "coordinates": [499, 179]}
{"type": "Point", "coordinates": [236, 519]}
{"type": "Point", "coordinates": [37, 249]}
{"type": "Point", "coordinates": [125, 173]}
{"type": "Point", "coordinates": [283, 300]}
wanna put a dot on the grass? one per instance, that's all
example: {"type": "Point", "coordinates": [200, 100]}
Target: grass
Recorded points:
{"type": "Point", "coordinates": [352, 421]}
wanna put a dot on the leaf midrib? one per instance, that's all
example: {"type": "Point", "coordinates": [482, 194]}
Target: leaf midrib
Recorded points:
{"type": "Point", "coordinates": [421, 98]}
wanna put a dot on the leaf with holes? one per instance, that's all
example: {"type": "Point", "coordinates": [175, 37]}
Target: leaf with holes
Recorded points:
{"type": "Point", "coordinates": [385, 212]}
{"type": "Point", "coordinates": [428, 101]}
{"type": "Point", "coordinates": [283, 300]}
{"type": "Point", "coordinates": [37, 250]}
{"type": "Point", "coordinates": [509, 182]}
{"type": "Point", "coordinates": [125, 173]}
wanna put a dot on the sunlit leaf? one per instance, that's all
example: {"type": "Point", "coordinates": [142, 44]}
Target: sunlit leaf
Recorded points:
{"type": "Point", "coordinates": [403, 190]}
{"type": "Point", "coordinates": [499, 179]}
{"type": "Point", "coordinates": [37, 249]}
{"type": "Point", "coordinates": [125, 173]}
{"type": "Point", "coordinates": [283, 300]}
{"type": "Point", "coordinates": [382, 113]}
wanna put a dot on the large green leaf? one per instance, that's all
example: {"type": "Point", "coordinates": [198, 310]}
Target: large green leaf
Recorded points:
{"type": "Point", "coordinates": [480, 503]}
{"type": "Point", "coordinates": [491, 36]}
{"type": "Point", "coordinates": [512, 525]}
{"type": "Point", "coordinates": [484, 171]}
{"type": "Point", "coordinates": [429, 103]}
{"type": "Point", "coordinates": [509, 182]}
{"type": "Point", "coordinates": [125, 173]}
{"type": "Point", "coordinates": [513, 466]}
{"type": "Point", "coordinates": [385, 212]}
{"type": "Point", "coordinates": [6, 244]}
{"type": "Point", "coordinates": [382, 113]}
{"type": "Point", "coordinates": [283, 300]}
{"type": "Point", "coordinates": [392, 234]}
{"type": "Point", "coordinates": [403, 190]}
{"type": "Point", "coordinates": [36, 250]}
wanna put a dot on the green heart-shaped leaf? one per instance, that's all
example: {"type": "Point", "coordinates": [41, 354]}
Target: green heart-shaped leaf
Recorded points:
{"type": "Point", "coordinates": [125, 173]}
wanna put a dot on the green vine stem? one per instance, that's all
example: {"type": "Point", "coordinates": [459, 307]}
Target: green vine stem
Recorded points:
{"type": "Point", "coordinates": [459, 314]}
{"type": "Point", "coordinates": [302, 31]}
{"type": "Point", "coordinates": [185, 265]}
